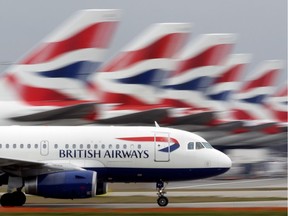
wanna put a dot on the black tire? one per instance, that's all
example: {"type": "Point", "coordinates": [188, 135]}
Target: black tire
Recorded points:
{"type": "Point", "coordinates": [19, 198]}
{"type": "Point", "coordinates": [7, 200]}
{"type": "Point", "coordinates": [162, 201]}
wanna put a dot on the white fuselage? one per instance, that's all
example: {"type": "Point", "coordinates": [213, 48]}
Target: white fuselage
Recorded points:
{"type": "Point", "coordinates": [131, 154]}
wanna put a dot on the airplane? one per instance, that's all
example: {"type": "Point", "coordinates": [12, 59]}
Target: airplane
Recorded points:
{"type": "Point", "coordinates": [127, 84]}
{"type": "Point", "coordinates": [247, 102]}
{"type": "Point", "coordinates": [71, 162]}
{"type": "Point", "coordinates": [278, 103]}
{"type": "Point", "coordinates": [195, 69]}
{"type": "Point", "coordinates": [49, 83]}
{"type": "Point", "coordinates": [218, 97]}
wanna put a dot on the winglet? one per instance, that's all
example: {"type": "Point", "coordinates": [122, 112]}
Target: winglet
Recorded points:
{"type": "Point", "coordinates": [156, 124]}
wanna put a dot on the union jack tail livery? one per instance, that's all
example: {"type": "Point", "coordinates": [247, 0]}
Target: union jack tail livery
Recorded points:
{"type": "Point", "coordinates": [131, 79]}
{"type": "Point", "coordinates": [131, 76]}
{"type": "Point", "coordinates": [195, 71]}
{"type": "Point", "coordinates": [226, 83]}
{"type": "Point", "coordinates": [251, 96]}
{"type": "Point", "coordinates": [278, 104]}
{"type": "Point", "coordinates": [55, 72]}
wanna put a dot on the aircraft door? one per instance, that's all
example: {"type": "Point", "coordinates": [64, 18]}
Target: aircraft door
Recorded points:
{"type": "Point", "coordinates": [44, 147]}
{"type": "Point", "coordinates": [162, 146]}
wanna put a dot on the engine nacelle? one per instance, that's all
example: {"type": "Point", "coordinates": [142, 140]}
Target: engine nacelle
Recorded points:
{"type": "Point", "coordinates": [63, 185]}
{"type": "Point", "coordinates": [102, 188]}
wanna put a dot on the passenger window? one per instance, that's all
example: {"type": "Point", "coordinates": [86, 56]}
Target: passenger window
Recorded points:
{"type": "Point", "coordinates": [88, 146]}
{"type": "Point", "coordinates": [190, 146]}
{"type": "Point", "coordinates": [56, 146]}
{"type": "Point", "coordinates": [199, 145]}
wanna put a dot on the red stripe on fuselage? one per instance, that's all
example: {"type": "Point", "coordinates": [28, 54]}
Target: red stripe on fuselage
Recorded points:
{"type": "Point", "coordinates": [149, 139]}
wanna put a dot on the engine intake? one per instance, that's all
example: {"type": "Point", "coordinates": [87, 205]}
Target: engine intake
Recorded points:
{"type": "Point", "coordinates": [63, 185]}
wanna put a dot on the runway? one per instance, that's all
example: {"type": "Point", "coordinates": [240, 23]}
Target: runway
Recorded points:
{"type": "Point", "coordinates": [255, 204]}
{"type": "Point", "coordinates": [270, 192]}
{"type": "Point", "coordinates": [264, 193]}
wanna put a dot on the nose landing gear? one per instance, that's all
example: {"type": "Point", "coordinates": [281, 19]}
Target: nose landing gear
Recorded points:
{"type": "Point", "coordinates": [162, 200]}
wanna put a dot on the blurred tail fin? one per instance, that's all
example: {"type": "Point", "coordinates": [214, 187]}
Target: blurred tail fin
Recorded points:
{"type": "Point", "coordinates": [251, 96]}
{"type": "Point", "coordinates": [196, 69]}
{"type": "Point", "coordinates": [56, 70]}
{"type": "Point", "coordinates": [228, 79]}
{"type": "Point", "coordinates": [132, 75]}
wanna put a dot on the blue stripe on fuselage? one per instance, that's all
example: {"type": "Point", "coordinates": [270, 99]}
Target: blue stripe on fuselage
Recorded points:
{"type": "Point", "coordinates": [170, 148]}
{"type": "Point", "coordinates": [154, 174]}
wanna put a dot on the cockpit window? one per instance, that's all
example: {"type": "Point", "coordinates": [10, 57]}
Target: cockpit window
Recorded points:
{"type": "Point", "coordinates": [207, 145]}
{"type": "Point", "coordinates": [190, 145]}
{"type": "Point", "coordinates": [199, 145]}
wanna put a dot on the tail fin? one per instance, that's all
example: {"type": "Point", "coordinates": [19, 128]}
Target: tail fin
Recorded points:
{"type": "Point", "coordinates": [197, 66]}
{"type": "Point", "coordinates": [130, 77]}
{"type": "Point", "coordinates": [278, 104]}
{"type": "Point", "coordinates": [56, 70]}
{"type": "Point", "coordinates": [251, 96]}
{"type": "Point", "coordinates": [228, 79]}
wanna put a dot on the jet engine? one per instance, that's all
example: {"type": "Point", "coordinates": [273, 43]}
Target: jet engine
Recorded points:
{"type": "Point", "coordinates": [102, 188]}
{"type": "Point", "coordinates": [63, 185]}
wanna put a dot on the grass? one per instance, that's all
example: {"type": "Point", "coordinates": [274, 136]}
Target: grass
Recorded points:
{"type": "Point", "coordinates": [149, 199]}
{"type": "Point", "coordinates": [247, 212]}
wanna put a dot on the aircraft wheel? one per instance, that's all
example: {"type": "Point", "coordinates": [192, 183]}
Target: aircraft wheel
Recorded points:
{"type": "Point", "coordinates": [19, 198]}
{"type": "Point", "coordinates": [162, 201]}
{"type": "Point", "coordinates": [7, 200]}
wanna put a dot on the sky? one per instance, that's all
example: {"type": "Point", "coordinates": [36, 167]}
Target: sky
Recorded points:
{"type": "Point", "coordinates": [260, 25]}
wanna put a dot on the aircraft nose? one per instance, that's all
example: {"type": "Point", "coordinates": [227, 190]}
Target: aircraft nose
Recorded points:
{"type": "Point", "coordinates": [225, 161]}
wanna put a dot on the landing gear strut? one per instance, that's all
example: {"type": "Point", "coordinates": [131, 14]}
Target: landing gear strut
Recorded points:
{"type": "Point", "coordinates": [162, 200]}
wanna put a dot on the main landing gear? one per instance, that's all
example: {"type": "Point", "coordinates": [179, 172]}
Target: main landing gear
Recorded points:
{"type": "Point", "coordinates": [16, 198]}
{"type": "Point", "coordinates": [162, 200]}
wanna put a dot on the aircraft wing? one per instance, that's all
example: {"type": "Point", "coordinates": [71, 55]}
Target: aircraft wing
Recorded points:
{"type": "Point", "coordinates": [195, 118]}
{"type": "Point", "coordinates": [139, 117]}
{"type": "Point", "coordinates": [68, 112]}
{"type": "Point", "coordinates": [27, 168]}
